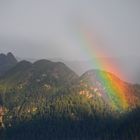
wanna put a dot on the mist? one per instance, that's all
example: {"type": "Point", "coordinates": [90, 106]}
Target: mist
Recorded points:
{"type": "Point", "coordinates": [48, 29]}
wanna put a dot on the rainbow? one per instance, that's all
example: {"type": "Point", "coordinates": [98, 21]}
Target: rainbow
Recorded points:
{"type": "Point", "coordinates": [115, 89]}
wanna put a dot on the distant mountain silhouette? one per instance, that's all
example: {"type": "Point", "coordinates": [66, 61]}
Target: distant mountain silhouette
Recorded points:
{"type": "Point", "coordinates": [7, 61]}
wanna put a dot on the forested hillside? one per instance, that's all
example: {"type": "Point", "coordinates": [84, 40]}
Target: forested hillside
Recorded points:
{"type": "Point", "coordinates": [47, 100]}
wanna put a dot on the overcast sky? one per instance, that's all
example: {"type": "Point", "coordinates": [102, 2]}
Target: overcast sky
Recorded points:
{"type": "Point", "coordinates": [47, 28]}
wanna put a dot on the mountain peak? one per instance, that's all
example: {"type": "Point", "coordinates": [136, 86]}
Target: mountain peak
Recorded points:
{"type": "Point", "coordinates": [7, 61]}
{"type": "Point", "coordinates": [9, 54]}
{"type": "Point", "coordinates": [11, 58]}
{"type": "Point", "coordinates": [2, 56]}
{"type": "Point", "coordinates": [42, 62]}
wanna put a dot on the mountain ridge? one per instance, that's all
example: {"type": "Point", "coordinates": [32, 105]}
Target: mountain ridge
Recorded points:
{"type": "Point", "coordinates": [7, 61]}
{"type": "Point", "coordinates": [45, 97]}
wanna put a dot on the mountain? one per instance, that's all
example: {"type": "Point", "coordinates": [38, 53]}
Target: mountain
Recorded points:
{"type": "Point", "coordinates": [6, 62]}
{"type": "Point", "coordinates": [27, 87]}
{"type": "Point", "coordinates": [47, 100]}
{"type": "Point", "coordinates": [118, 94]}
{"type": "Point", "coordinates": [38, 73]}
